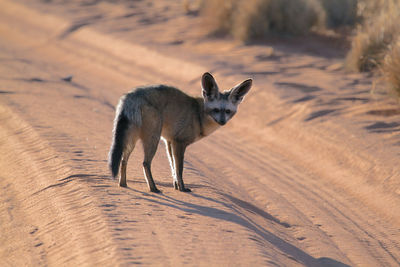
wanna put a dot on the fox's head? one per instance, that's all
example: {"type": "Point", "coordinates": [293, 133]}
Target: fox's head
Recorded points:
{"type": "Point", "coordinates": [222, 106]}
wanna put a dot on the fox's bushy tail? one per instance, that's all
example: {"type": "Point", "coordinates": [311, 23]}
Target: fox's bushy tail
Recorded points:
{"type": "Point", "coordinates": [121, 126]}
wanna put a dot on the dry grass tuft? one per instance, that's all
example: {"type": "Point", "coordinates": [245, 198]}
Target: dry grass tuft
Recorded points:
{"type": "Point", "coordinates": [218, 15]}
{"type": "Point", "coordinates": [340, 12]}
{"type": "Point", "coordinates": [378, 32]}
{"type": "Point", "coordinates": [247, 20]}
{"type": "Point", "coordinates": [391, 67]}
{"type": "Point", "coordinates": [254, 19]}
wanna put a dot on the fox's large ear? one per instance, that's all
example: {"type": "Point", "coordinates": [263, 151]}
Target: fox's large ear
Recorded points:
{"type": "Point", "coordinates": [239, 91]}
{"type": "Point", "coordinates": [209, 86]}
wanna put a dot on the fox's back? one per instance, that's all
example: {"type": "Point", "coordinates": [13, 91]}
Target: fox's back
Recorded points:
{"type": "Point", "coordinates": [178, 111]}
{"type": "Point", "coordinates": [165, 99]}
{"type": "Point", "coordinates": [157, 94]}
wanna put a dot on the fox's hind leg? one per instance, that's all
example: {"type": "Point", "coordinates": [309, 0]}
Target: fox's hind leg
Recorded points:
{"type": "Point", "coordinates": [150, 135]}
{"type": "Point", "coordinates": [130, 145]}
{"type": "Point", "coordinates": [150, 147]}
{"type": "Point", "coordinates": [124, 163]}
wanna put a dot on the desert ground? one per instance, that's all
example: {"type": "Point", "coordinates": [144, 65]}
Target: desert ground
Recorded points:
{"type": "Point", "coordinates": [306, 174]}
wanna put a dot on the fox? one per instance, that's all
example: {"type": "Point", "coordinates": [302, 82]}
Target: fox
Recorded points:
{"type": "Point", "coordinates": [155, 112]}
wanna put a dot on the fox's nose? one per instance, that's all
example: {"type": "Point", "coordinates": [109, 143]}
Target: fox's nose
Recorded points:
{"type": "Point", "coordinates": [222, 122]}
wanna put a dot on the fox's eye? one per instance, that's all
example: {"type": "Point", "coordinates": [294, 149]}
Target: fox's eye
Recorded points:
{"type": "Point", "coordinates": [216, 110]}
{"type": "Point", "coordinates": [227, 111]}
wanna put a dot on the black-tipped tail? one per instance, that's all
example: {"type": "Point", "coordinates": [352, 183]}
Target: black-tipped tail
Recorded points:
{"type": "Point", "coordinates": [117, 146]}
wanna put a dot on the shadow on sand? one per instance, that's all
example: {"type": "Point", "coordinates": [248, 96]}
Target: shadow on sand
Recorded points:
{"type": "Point", "coordinates": [234, 214]}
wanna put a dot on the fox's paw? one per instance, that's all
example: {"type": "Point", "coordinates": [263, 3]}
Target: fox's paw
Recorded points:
{"type": "Point", "coordinates": [155, 190]}
{"type": "Point", "coordinates": [185, 190]}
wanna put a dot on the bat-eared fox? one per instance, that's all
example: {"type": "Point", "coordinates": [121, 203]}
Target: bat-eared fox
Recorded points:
{"type": "Point", "coordinates": [153, 112]}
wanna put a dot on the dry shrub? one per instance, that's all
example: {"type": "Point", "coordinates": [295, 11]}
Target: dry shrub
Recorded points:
{"type": "Point", "coordinates": [391, 67]}
{"type": "Point", "coordinates": [379, 31]}
{"type": "Point", "coordinates": [277, 16]}
{"type": "Point", "coordinates": [218, 15]}
{"type": "Point", "coordinates": [253, 19]}
{"type": "Point", "coordinates": [340, 12]}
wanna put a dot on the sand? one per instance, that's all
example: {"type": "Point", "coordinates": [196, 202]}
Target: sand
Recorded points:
{"type": "Point", "coordinates": [306, 174]}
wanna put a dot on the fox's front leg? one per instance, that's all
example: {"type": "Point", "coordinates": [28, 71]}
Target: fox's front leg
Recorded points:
{"type": "Point", "coordinates": [171, 163]}
{"type": "Point", "coordinates": [178, 152]}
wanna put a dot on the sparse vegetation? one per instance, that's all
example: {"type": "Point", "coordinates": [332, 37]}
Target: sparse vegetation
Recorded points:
{"type": "Point", "coordinates": [339, 12]}
{"type": "Point", "coordinates": [254, 19]}
{"type": "Point", "coordinates": [376, 35]}
{"type": "Point", "coordinates": [376, 40]}
{"type": "Point", "coordinates": [391, 68]}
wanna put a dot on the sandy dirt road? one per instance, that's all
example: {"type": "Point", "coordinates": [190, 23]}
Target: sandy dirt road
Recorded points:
{"type": "Point", "coordinates": [278, 186]}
